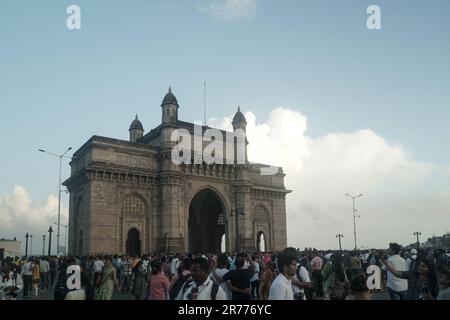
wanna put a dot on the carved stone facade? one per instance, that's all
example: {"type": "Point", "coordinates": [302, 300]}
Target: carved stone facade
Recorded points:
{"type": "Point", "coordinates": [128, 197]}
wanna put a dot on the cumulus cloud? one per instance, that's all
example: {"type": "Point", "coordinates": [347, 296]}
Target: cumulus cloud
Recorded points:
{"type": "Point", "coordinates": [19, 215]}
{"type": "Point", "coordinates": [230, 10]}
{"type": "Point", "coordinates": [321, 170]}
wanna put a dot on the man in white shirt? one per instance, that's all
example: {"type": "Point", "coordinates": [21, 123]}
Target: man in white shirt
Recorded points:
{"type": "Point", "coordinates": [98, 265]}
{"type": "Point", "coordinates": [201, 287]}
{"type": "Point", "coordinates": [300, 281]}
{"type": "Point", "coordinates": [220, 272]}
{"type": "Point", "coordinates": [281, 288]}
{"type": "Point", "coordinates": [397, 286]}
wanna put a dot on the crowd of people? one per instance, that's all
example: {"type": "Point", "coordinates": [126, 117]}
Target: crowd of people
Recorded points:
{"type": "Point", "coordinates": [291, 274]}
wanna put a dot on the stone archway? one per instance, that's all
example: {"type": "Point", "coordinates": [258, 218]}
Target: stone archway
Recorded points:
{"type": "Point", "coordinates": [206, 224]}
{"type": "Point", "coordinates": [133, 242]}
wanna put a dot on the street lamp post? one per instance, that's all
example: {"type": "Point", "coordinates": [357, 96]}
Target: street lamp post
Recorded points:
{"type": "Point", "coordinates": [417, 233]}
{"type": "Point", "coordinates": [26, 245]}
{"type": "Point", "coordinates": [340, 236]}
{"type": "Point", "coordinates": [65, 236]}
{"type": "Point", "coordinates": [60, 156]}
{"type": "Point", "coordinates": [43, 245]}
{"type": "Point", "coordinates": [354, 215]}
{"type": "Point", "coordinates": [31, 245]}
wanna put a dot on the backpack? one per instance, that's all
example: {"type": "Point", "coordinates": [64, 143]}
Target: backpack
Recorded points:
{"type": "Point", "coordinates": [214, 289]}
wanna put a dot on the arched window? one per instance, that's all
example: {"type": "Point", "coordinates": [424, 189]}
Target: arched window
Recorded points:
{"type": "Point", "coordinates": [261, 214]}
{"type": "Point", "coordinates": [261, 222]}
{"type": "Point", "coordinates": [133, 205]}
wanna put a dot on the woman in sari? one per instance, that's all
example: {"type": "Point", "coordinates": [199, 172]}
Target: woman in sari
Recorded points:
{"type": "Point", "coordinates": [36, 276]}
{"type": "Point", "coordinates": [140, 279]}
{"type": "Point", "coordinates": [107, 281]}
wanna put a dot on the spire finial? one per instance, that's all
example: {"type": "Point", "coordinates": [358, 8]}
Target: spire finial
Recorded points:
{"type": "Point", "coordinates": [239, 108]}
{"type": "Point", "coordinates": [137, 117]}
{"type": "Point", "coordinates": [170, 89]}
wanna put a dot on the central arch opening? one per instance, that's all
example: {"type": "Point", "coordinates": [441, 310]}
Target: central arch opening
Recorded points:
{"type": "Point", "coordinates": [133, 243]}
{"type": "Point", "coordinates": [206, 222]}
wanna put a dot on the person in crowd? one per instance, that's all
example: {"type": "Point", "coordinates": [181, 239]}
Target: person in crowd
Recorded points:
{"type": "Point", "coordinates": [10, 283]}
{"type": "Point", "coordinates": [397, 286]}
{"type": "Point", "coordinates": [358, 286]}
{"type": "Point", "coordinates": [158, 283]}
{"type": "Point", "coordinates": [140, 278]}
{"type": "Point", "coordinates": [338, 284]}
{"type": "Point", "coordinates": [127, 272]}
{"type": "Point", "coordinates": [356, 264]}
{"type": "Point", "coordinates": [98, 267]}
{"type": "Point", "coordinates": [183, 275]}
{"type": "Point", "coordinates": [268, 275]}
{"type": "Point", "coordinates": [44, 273]}
{"type": "Point", "coordinates": [27, 277]}
{"type": "Point", "coordinates": [201, 287]}
{"type": "Point", "coordinates": [106, 281]}
{"type": "Point", "coordinates": [364, 258]}
{"type": "Point", "coordinates": [175, 265]}
{"type": "Point", "coordinates": [422, 282]}
{"type": "Point", "coordinates": [316, 268]}
{"type": "Point", "coordinates": [254, 280]}
{"type": "Point", "coordinates": [239, 279]}
{"type": "Point", "coordinates": [36, 276]}
{"type": "Point", "coordinates": [326, 271]}
{"type": "Point", "coordinates": [61, 288]}
{"type": "Point", "coordinates": [300, 282]}
{"type": "Point", "coordinates": [52, 270]}
{"type": "Point", "coordinates": [167, 264]}
{"type": "Point", "coordinates": [281, 288]}
{"type": "Point", "coordinates": [220, 271]}
{"type": "Point", "coordinates": [411, 262]}
{"type": "Point", "coordinates": [444, 282]}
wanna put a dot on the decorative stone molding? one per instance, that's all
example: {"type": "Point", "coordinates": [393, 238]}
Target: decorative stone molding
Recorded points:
{"type": "Point", "coordinates": [122, 177]}
{"type": "Point", "coordinates": [171, 180]}
{"type": "Point", "coordinates": [171, 244]}
{"type": "Point", "coordinates": [258, 193]}
{"type": "Point", "coordinates": [221, 171]}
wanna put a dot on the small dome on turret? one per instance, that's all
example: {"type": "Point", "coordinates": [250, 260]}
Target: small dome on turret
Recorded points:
{"type": "Point", "coordinates": [136, 125]}
{"type": "Point", "coordinates": [239, 116]}
{"type": "Point", "coordinates": [170, 98]}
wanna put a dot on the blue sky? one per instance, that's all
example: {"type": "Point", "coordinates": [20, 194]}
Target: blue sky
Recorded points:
{"type": "Point", "coordinates": [59, 87]}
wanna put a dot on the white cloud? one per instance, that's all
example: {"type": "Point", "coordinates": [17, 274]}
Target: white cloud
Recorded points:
{"type": "Point", "coordinates": [19, 215]}
{"type": "Point", "coordinates": [230, 10]}
{"type": "Point", "coordinates": [320, 171]}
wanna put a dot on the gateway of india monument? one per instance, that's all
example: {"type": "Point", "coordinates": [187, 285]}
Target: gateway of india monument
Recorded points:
{"type": "Point", "coordinates": [129, 197]}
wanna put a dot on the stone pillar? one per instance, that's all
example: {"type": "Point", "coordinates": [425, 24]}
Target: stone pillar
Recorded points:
{"type": "Point", "coordinates": [279, 238]}
{"type": "Point", "coordinates": [72, 229]}
{"type": "Point", "coordinates": [243, 209]}
{"type": "Point", "coordinates": [170, 234]}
